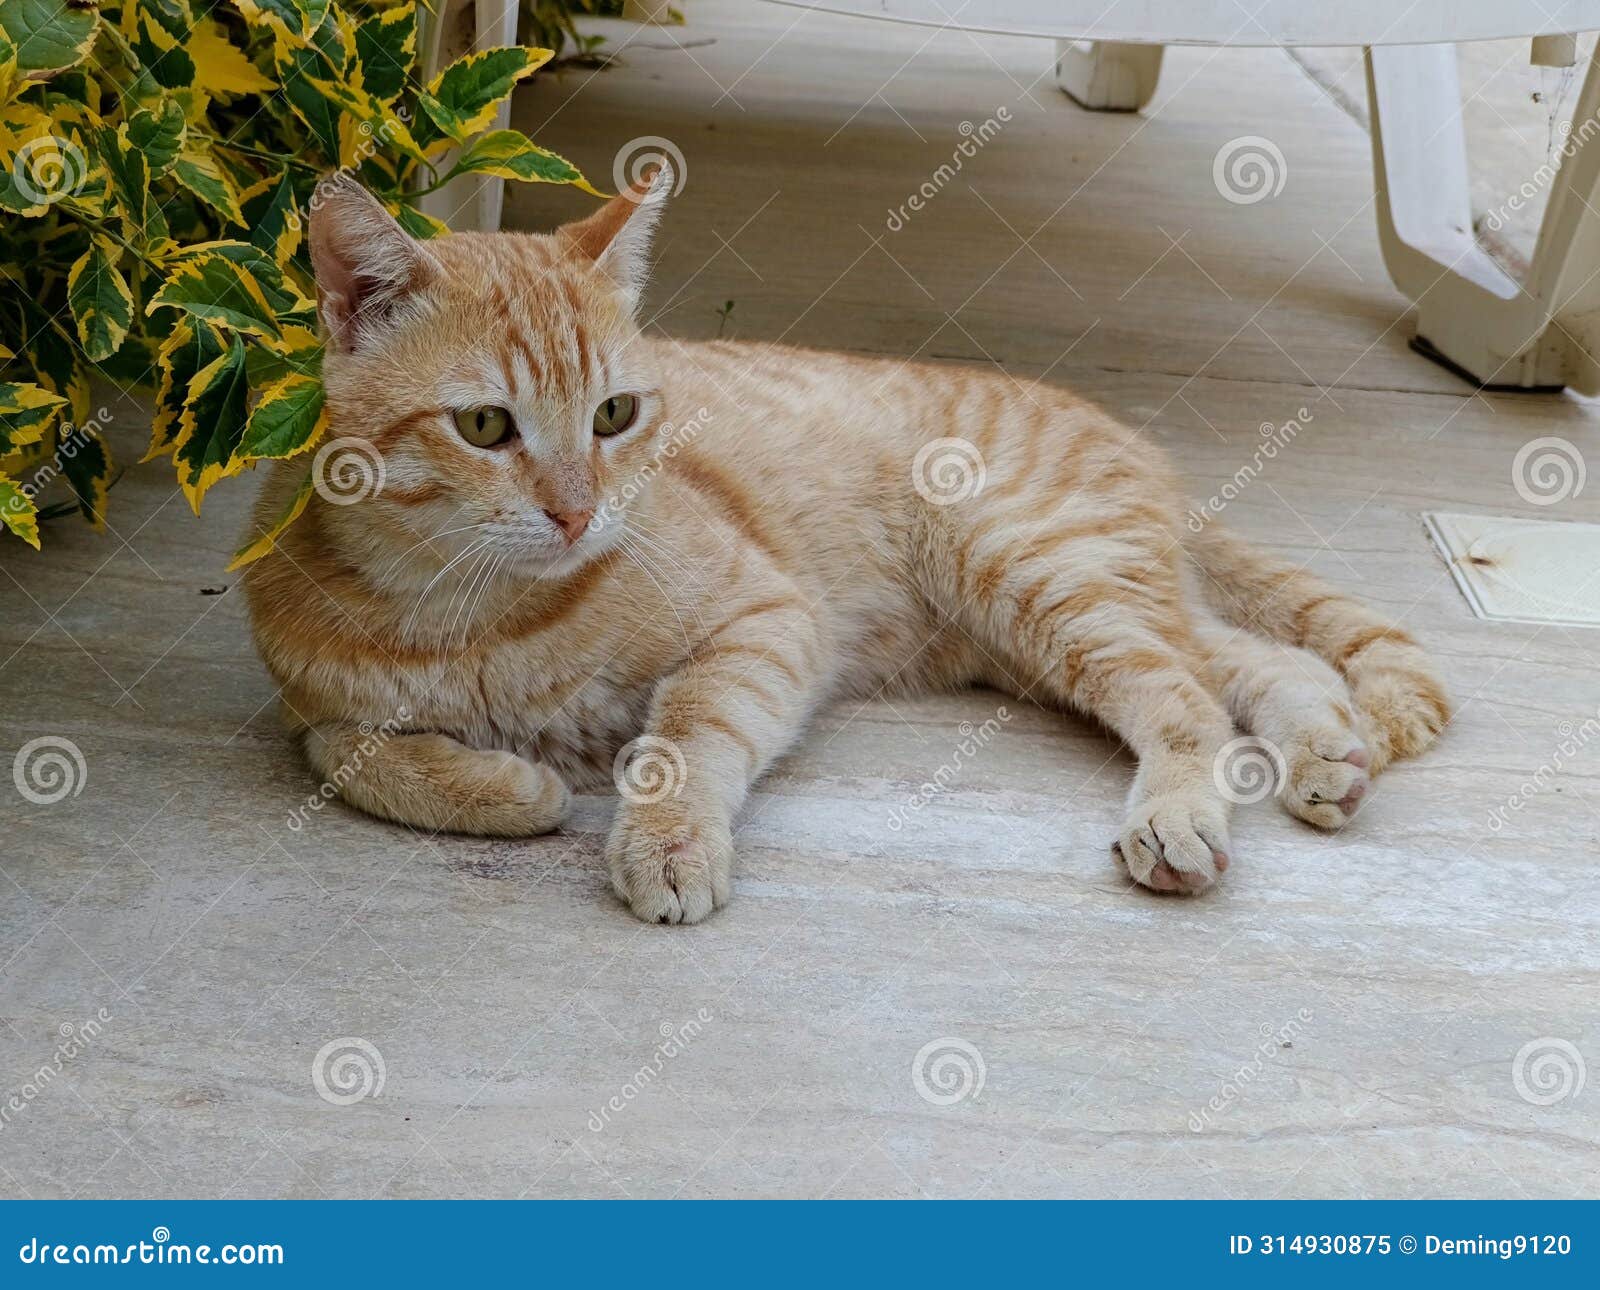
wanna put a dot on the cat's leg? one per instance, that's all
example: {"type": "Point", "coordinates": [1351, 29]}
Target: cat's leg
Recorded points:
{"type": "Point", "coordinates": [1120, 653]}
{"type": "Point", "coordinates": [432, 782]}
{"type": "Point", "coordinates": [714, 725]}
{"type": "Point", "coordinates": [1301, 709]}
{"type": "Point", "coordinates": [1402, 702]}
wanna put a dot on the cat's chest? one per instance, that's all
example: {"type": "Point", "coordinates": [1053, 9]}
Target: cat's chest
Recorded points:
{"type": "Point", "coordinates": [573, 713]}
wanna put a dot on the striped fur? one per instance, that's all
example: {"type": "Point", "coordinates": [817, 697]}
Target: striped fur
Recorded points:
{"type": "Point", "coordinates": [760, 547]}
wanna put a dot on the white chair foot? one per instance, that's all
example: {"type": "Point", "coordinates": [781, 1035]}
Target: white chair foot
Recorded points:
{"type": "Point", "coordinates": [1106, 76]}
{"type": "Point", "coordinates": [1472, 316]}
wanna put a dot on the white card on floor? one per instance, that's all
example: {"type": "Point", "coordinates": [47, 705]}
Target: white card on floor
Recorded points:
{"type": "Point", "coordinates": [1518, 570]}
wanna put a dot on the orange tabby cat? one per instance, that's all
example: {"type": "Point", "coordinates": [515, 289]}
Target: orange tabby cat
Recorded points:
{"type": "Point", "coordinates": [585, 535]}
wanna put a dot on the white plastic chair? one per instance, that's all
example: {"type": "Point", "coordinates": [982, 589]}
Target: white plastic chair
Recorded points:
{"type": "Point", "coordinates": [1540, 332]}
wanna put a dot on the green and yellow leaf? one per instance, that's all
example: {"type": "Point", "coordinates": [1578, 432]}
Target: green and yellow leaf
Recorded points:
{"type": "Point", "coordinates": [213, 288]}
{"type": "Point", "coordinates": [461, 100]}
{"type": "Point", "coordinates": [102, 305]}
{"type": "Point", "coordinates": [159, 134]}
{"type": "Point", "coordinates": [258, 547]}
{"type": "Point", "coordinates": [60, 368]}
{"type": "Point", "coordinates": [200, 174]}
{"type": "Point", "coordinates": [415, 222]}
{"type": "Point", "coordinates": [289, 419]}
{"type": "Point", "coordinates": [86, 463]}
{"type": "Point", "coordinates": [190, 347]}
{"type": "Point", "coordinates": [371, 116]}
{"type": "Point", "coordinates": [26, 412]}
{"type": "Point", "coordinates": [510, 154]}
{"type": "Point", "coordinates": [386, 50]}
{"type": "Point", "coordinates": [21, 516]}
{"type": "Point", "coordinates": [215, 413]}
{"type": "Point", "coordinates": [220, 66]}
{"type": "Point", "coordinates": [49, 35]}
{"type": "Point", "coordinates": [273, 217]}
{"type": "Point", "coordinates": [296, 19]}
{"type": "Point", "coordinates": [129, 174]}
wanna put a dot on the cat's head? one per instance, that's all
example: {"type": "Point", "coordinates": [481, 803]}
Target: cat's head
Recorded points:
{"type": "Point", "coordinates": [499, 378]}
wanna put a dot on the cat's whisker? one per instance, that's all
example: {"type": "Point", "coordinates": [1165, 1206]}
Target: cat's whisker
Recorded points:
{"type": "Point", "coordinates": [473, 549]}
{"type": "Point", "coordinates": [464, 589]}
{"type": "Point", "coordinates": [392, 566]}
{"type": "Point", "coordinates": [633, 553]}
{"type": "Point", "coordinates": [473, 601]}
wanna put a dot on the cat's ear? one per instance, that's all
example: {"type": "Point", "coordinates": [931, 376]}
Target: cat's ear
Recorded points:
{"type": "Point", "coordinates": [617, 236]}
{"type": "Point", "coordinates": [368, 268]}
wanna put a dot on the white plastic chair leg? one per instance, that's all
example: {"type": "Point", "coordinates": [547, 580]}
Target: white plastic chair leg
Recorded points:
{"type": "Point", "coordinates": [470, 202]}
{"type": "Point", "coordinates": [1471, 314]}
{"type": "Point", "coordinates": [1107, 76]}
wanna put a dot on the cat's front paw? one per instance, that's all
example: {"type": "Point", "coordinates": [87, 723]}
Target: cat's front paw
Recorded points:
{"type": "Point", "coordinates": [671, 861]}
{"type": "Point", "coordinates": [1174, 842]}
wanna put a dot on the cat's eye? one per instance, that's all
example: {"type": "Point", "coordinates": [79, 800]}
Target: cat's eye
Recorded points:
{"type": "Point", "coordinates": [616, 414]}
{"type": "Point", "coordinates": [485, 427]}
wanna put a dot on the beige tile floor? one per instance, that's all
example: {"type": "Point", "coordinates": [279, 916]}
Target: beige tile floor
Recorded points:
{"type": "Point", "coordinates": [1343, 1017]}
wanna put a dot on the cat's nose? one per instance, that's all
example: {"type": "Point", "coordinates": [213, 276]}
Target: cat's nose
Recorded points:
{"type": "Point", "coordinates": [572, 523]}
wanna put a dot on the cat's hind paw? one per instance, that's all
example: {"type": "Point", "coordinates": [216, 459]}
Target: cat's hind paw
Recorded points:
{"type": "Point", "coordinates": [1325, 774]}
